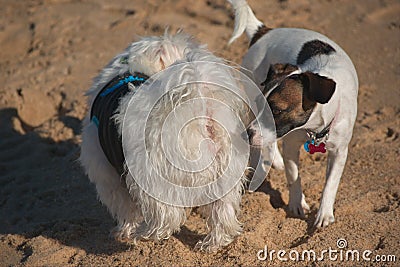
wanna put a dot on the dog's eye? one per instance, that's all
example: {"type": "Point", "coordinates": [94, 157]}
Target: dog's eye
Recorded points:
{"type": "Point", "coordinates": [276, 111]}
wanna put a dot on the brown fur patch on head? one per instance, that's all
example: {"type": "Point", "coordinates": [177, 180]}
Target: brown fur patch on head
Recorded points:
{"type": "Point", "coordinates": [261, 31]}
{"type": "Point", "coordinates": [276, 73]}
{"type": "Point", "coordinates": [293, 100]}
{"type": "Point", "coordinates": [290, 105]}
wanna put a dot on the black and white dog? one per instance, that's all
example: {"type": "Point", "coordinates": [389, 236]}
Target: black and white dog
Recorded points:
{"type": "Point", "coordinates": [311, 86]}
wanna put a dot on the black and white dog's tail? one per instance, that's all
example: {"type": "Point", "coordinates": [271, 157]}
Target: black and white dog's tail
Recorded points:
{"type": "Point", "coordinates": [245, 20]}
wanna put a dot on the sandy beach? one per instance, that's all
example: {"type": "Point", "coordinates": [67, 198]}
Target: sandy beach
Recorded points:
{"type": "Point", "coordinates": [50, 50]}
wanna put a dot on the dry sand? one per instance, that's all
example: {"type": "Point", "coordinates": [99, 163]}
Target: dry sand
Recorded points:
{"type": "Point", "coordinates": [51, 49]}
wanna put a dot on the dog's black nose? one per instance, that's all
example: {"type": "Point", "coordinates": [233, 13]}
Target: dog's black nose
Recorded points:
{"type": "Point", "coordinates": [248, 134]}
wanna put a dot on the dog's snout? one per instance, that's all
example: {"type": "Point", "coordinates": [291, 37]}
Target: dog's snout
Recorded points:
{"type": "Point", "coordinates": [248, 134]}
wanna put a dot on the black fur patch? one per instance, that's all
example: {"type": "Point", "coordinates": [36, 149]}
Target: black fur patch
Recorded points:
{"type": "Point", "coordinates": [313, 48]}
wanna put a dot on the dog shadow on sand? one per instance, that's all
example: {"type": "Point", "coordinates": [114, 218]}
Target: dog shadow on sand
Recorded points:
{"type": "Point", "coordinates": [277, 202]}
{"type": "Point", "coordinates": [44, 191]}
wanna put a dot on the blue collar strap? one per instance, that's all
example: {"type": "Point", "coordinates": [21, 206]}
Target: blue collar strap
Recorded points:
{"type": "Point", "coordinates": [123, 81]}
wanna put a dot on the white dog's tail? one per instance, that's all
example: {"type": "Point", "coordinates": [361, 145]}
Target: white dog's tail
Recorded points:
{"type": "Point", "coordinates": [245, 20]}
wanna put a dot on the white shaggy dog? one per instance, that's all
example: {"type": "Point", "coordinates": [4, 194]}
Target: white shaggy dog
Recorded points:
{"type": "Point", "coordinates": [129, 184]}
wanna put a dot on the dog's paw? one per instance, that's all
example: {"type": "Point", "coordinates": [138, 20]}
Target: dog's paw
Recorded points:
{"type": "Point", "coordinates": [212, 242]}
{"type": "Point", "coordinates": [299, 208]}
{"type": "Point", "coordinates": [323, 219]}
{"type": "Point", "coordinates": [124, 231]}
{"type": "Point", "coordinates": [206, 247]}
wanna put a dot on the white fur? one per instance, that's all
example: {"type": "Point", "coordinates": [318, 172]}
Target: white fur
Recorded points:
{"type": "Point", "coordinates": [138, 214]}
{"type": "Point", "coordinates": [282, 45]}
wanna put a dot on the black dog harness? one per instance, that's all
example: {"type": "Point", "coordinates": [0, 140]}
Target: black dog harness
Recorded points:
{"type": "Point", "coordinates": [104, 107]}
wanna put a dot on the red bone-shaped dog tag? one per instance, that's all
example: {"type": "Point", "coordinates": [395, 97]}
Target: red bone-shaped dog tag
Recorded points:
{"type": "Point", "coordinates": [320, 148]}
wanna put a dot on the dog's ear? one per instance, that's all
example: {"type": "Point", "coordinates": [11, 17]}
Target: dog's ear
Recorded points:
{"type": "Point", "coordinates": [317, 88]}
{"type": "Point", "coordinates": [278, 71]}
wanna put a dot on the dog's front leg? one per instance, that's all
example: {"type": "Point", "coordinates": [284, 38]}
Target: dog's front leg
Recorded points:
{"type": "Point", "coordinates": [278, 160]}
{"type": "Point", "coordinates": [336, 162]}
{"type": "Point", "coordinates": [291, 144]}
